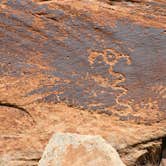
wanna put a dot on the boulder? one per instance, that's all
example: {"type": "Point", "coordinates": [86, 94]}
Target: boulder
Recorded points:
{"type": "Point", "coordinates": [163, 162]}
{"type": "Point", "coordinates": [65, 149]}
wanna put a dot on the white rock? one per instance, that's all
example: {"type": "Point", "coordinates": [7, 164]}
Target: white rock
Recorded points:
{"type": "Point", "coordinates": [65, 149]}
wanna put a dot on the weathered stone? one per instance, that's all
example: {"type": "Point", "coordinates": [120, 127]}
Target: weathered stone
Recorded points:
{"type": "Point", "coordinates": [163, 162]}
{"type": "Point", "coordinates": [15, 158]}
{"type": "Point", "coordinates": [65, 149]}
{"type": "Point", "coordinates": [87, 67]}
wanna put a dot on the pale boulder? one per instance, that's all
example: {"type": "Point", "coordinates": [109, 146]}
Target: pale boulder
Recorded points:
{"type": "Point", "coordinates": [65, 149]}
{"type": "Point", "coordinates": [163, 162]}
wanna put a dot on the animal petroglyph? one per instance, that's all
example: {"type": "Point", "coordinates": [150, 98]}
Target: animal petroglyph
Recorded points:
{"type": "Point", "coordinates": [111, 57]}
{"type": "Point", "coordinates": [160, 90]}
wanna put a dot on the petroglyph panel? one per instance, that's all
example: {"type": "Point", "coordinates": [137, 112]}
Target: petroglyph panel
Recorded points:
{"type": "Point", "coordinates": [60, 54]}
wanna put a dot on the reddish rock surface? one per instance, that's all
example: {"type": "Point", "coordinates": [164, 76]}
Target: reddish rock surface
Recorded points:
{"type": "Point", "coordinates": [87, 67]}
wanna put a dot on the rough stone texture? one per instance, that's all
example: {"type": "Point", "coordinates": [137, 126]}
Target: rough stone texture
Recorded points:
{"type": "Point", "coordinates": [67, 149]}
{"type": "Point", "coordinates": [29, 158]}
{"type": "Point", "coordinates": [86, 67]}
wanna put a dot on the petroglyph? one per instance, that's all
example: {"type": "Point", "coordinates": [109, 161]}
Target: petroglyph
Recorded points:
{"type": "Point", "coordinates": [160, 90]}
{"type": "Point", "coordinates": [148, 105]}
{"type": "Point", "coordinates": [111, 57]}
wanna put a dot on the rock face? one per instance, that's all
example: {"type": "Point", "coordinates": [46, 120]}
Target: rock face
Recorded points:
{"type": "Point", "coordinates": [83, 66]}
{"type": "Point", "coordinates": [79, 150]}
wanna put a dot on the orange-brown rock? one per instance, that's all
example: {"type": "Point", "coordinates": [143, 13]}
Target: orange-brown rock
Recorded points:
{"type": "Point", "coordinates": [86, 67]}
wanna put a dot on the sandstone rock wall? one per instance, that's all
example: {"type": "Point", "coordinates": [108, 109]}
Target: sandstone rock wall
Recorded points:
{"type": "Point", "coordinates": [82, 66]}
